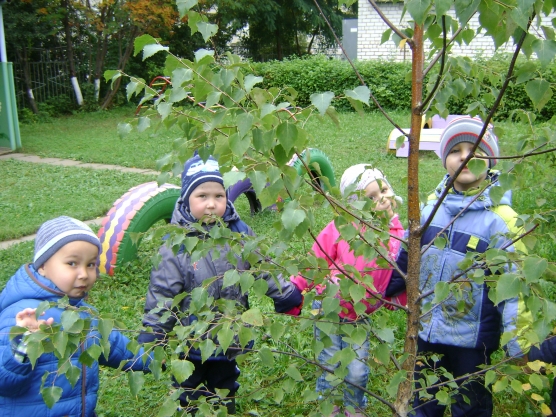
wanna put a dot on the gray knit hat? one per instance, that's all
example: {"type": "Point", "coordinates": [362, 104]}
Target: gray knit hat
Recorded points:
{"type": "Point", "coordinates": [467, 129]}
{"type": "Point", "coordinates": [55, 233]}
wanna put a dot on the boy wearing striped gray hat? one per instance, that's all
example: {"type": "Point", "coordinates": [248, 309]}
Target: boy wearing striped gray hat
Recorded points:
{"type": "Point", "coordinates": [64, 265]}
{"type": "Point", "coordinates": [461, 332]}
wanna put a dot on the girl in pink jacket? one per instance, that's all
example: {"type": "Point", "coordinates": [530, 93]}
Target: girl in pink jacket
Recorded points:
{"type": "Point", "coordinates": [337, 253]}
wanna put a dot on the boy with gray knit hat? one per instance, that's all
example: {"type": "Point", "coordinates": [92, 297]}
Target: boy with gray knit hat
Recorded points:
{"type": "Point", "coordinates": [64, 265]}
{"type": "Point", "coordinates": [461, 333]}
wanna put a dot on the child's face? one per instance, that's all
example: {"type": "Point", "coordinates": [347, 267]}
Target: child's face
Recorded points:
{"type": "Point", "coordinates": [207, 201]}
{"type": "Point", "coordinates": [73, 268]}
{"type": "Point", "coordinates": [383, 195]}
{"type": "Point", "coordinates": [466, 179]}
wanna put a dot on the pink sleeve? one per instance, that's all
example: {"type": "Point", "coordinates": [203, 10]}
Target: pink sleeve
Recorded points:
{"type": "Point", "coordinates": [326, 246]}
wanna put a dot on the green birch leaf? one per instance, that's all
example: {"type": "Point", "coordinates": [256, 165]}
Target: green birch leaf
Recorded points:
{"type": "Point", "coordinates": [34, 351]}
{"type": "Point", "coordinates": [253, 316]}
{"type": "Point", "coordinates": [536, 381]}
{"type": "Point", "coordinates": [51, 395]}
{"type": "Point", "coordinates": [207, 30]}
{"type": "Point", "coordinates": [184, 6]}
{"type": "Point", "coordinates": [130, 89]}
{"type": "Point", "coordinates": [392, 387]}
{"type": "Point", "coordinates": [465, 9]}
{"type": "Point", "coordinates": [322, 100]}
{"type": "Point", "coordinates": [72, 374]}
{"type": "Point", "coordinates": [177, 94]}
{"type": "Point", "coordinates": [516, 386]}
{"type": "Point", "coordinates": [361, 93]}
{"type": "Point", "coordinates": [258, 181]}
{"type": "Point", "coordinates": [382, 353]}
{"type": "Point", "coordinates": [69, 319]}
{"type": "Point", "coordinates": [287, 135]}
{"type": "Point", "coordinates": [124, 129]}
{"type": "Point", "coordinates": [294, 373]}
{"type": "Point", "coordinates": [539, 92]}
{"type": "Point", "coordinates": [525, 72]}
{"type": "Point", "coordinates": [443, 397]}
{"type": "Point", "coordinates": [207, 348]}
{"type": "Point", "coordinates": [164, 109]}
{"type": "Point", "coordinates": [212, 99]}
{"type": "Point", "coordinates": [250, 82]}
{"type": "Point", "coordinates": [277, 330]}
{"type": "Point", "coordinates": [534, 268]}
{"type": "Point", "coordinates": [112, 75]}
{"type": "Point", "coordinates": [168, 408]}
{"type": "Point", "coordinates": [385, 36]}
{"type": "Point", "coordinates": [441, 7]}
{"type": "Point", "coordinates": [246, 281]}
{"type": "Point", "coordinates": [267, 109]}
{"type": "Point", "coordinates": [43, 306]}
{"type": "Point", "coordinates": [238, 145]}
{"type": "Point", "coordinates": [180, 76]}
{"type": "Point", "coordinates": [508, 287]}
{"type": "Point", "coordinates": [244, 123]}
{"type": "Point", "coordinates": [490, 377]}
{"type": "Point", "coordinates": [136, 381]}
{"type": "Point", "coordinates": [143, 124]}
{"type": "Point", "coordinates": [357, 293]}
{"type": "Point", "coordinates": [150, 50]}
{"type": "Point", "coordinates": [477, 166]}
{"type": "Point", "coordinates": [441, 291]}
{"type": "Point", "coordinates": [231, 277]}
{"type": "Point", "coordinates": [357, 105]}
{"type": "Point", "coordinates": [142, 41]}
{"type": "Point", "coordinates": [267, 358]}
{"type": "Point", "coordinates": [291, 218]}
{"type": "Point", "coordinates": [545, 50]}
{"type": "Point", "coordinates": [202, 53]}
{"type": "Point", "coordinates": [225, 336]}
{"type": "Point", "coordinates": [418, 9]}
{"type": "Point", "coordinates": [60, 342]}
{"type": "Point", "coordinates": [182, 369]}
{"type": "Point", "coordinates": [496, 194]}
{"type": "Point", "coordinates": [500, 385]}
{"type": "Point", "coordinates": [192, 19]}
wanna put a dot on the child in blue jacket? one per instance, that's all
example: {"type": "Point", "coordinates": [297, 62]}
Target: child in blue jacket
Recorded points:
{"type": "Point", "coordinates": [465, 329]}
{"type": "Point", "coordinates": [65, 265]}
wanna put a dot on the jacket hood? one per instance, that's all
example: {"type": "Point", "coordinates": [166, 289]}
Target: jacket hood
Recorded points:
{"type": "Point", "coordinates": [27, 283]}
{"type": "Point", "coordinates": [182, 216]}
{"type": "Point", "coordinates": [455, 201]}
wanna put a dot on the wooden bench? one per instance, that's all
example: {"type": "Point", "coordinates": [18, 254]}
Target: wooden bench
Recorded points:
{"type": "Point", "coordinates": [430, 136]}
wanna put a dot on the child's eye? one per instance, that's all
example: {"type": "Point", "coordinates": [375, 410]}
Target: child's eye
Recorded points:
{"type": "Point", "coordinates": [72, 263]}
{"type": "Point", "coordinates": [92, 265]}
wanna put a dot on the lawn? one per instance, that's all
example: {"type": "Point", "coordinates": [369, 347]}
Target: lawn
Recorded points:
{"type": "Point", "coordinates": [32, 193]}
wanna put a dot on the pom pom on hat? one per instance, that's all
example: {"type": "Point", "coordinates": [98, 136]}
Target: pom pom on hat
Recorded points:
{"type": "Point", "coordinates": [55, 233]}
{"type": "Point", "coordinates": [195, 172]}
{"type": "Point", "coordinates": [467, 129]}
{"type": "Point", "coordinates": [362, 175]}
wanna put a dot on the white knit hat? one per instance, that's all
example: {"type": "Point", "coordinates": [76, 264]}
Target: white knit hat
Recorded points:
{"type": "Point", "coordinates": [55, 233]}
{"type": "Point", "coordinates": [362, 175]}
{"type": "Point", "coordinates": [467, 129]}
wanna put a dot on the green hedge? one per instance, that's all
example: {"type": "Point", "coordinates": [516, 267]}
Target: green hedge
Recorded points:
{"type": "Point", "coordinates": [387, 80]}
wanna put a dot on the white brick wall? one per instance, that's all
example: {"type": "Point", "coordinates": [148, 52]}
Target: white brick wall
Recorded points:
{"type": "Point", "coordinates": [371, 27]}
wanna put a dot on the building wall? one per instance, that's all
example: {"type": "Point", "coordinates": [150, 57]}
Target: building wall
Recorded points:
{"type": "Point", "coordinates": [371, 27]}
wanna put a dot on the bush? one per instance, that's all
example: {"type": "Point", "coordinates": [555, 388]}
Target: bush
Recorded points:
{"type": "Point", "coordinates": [389, 83]}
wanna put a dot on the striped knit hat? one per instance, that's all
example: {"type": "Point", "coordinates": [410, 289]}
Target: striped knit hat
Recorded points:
{"type": "Point", "coordinates": [467, 129]}
{"type": "Point", "coordinates": [55, 233]}
{"type": "Point", "coordinates": [196, 172]}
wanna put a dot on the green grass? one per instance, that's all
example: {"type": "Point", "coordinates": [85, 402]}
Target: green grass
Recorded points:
{"type": "Point", "coordinates": [32, 193]}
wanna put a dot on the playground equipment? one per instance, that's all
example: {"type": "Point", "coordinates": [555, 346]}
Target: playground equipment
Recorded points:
{"type": "Point", "coordinates": [430, 136]}
{"type": "Point", "coordinates": [146, 204]}
{"type": "Point", "coordinates": [159, 83]}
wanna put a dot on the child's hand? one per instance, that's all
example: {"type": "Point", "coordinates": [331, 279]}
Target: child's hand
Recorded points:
{"type": "Point", "coordinates": [27, 319]}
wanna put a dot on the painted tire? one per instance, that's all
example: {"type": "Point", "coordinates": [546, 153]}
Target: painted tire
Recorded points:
{"type": "Point", "coordinates": [135, 212]}
{"type": "Point", "coordinates": [315, 156]}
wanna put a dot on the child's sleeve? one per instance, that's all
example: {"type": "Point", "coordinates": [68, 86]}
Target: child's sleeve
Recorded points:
{"type": "Point", "coordinates": [167, 281]}
{"type": "Point", "coordinates": [15, 368]}
{"type": "Point", "coordinates": [119, 352]}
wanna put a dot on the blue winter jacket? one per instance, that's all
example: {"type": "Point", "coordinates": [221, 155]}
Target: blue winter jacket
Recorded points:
{"type": "Point", "coordinates": [20, 384]}
{"type": "Point", "coordinates": [472, 320]}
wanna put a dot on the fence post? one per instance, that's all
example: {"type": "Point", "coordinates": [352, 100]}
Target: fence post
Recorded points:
{"type": "Point", "coordinates": [9, 123]}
